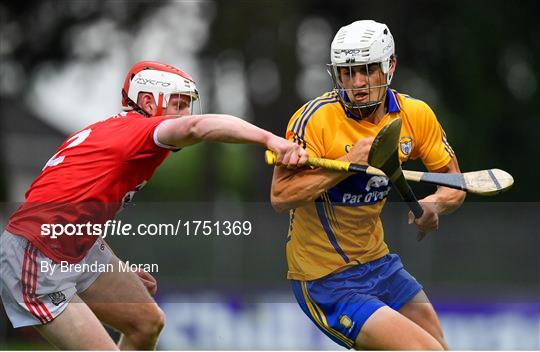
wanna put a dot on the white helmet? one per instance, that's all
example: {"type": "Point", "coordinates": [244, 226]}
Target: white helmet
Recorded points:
{"type": "Point", "coordinates": [161, 80]}
{"type": "Point", "coordinates": [361, 43]}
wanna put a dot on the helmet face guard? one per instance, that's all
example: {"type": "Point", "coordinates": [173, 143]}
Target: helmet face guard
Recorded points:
{"type": "Point", "coordinates": [375, 91]}
{"type": "Point", "coordinates": [160, 80]}
{"type": "Point", "coordinates": [164, 101]}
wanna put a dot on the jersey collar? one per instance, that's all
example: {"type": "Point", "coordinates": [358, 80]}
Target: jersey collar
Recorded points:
{"type": "Point", "coordinates": [393, 105]}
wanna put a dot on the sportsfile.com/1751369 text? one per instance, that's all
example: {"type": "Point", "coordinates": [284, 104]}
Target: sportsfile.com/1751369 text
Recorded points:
{"type": "Point", "coordinates": [181, 227]}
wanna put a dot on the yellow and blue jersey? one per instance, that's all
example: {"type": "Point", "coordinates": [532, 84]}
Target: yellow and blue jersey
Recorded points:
{"type": "Point", "coordinates": [343, 226]}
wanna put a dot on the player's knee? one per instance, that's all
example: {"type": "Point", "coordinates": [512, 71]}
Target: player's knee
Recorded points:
{"type": "Point", "coordinates": [439, 336]}
{"type": "Point", "coordinates": [160, 322]}
{"type": "Point", "coordinates": [435, 343]}
{"type": "Point", "coordinates": [146, 330]}
{"type": "Point", "coordinates": [419, 345]}
{"type": "Point", "coordinates": [435, 328]}
{"type": "Point", "coordinates": [429, 345]}
{"type": "Point", "coordinates": [444, 344]}
{"type": "Point", "coordinates": [153, 323]}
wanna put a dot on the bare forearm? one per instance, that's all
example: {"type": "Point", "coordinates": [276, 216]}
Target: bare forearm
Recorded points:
{"type": "Point", "coordinates": [229, 129]}
{"type": "Point", "coordinates": [189, 130]}
{"type": "Point", "coordinates": [446, 200]}
{"type": "Point", "coordinates": [292, 189]}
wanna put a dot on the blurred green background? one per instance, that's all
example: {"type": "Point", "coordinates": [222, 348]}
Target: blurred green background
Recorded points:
{"type": "Point", "coordinates": [475, 63]}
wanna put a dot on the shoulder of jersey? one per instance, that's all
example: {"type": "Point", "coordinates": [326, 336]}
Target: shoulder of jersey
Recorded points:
{"type": "Point", "coordinates": [119, 118]}
{"type": "Point", "coordinates": [319, 106]}
{"type": "Point", "coordinates": [313, 110]}
{"type": "Point", "coordinates": [410, 103]}
{"type": "Point", "coordinates": [126, 115]}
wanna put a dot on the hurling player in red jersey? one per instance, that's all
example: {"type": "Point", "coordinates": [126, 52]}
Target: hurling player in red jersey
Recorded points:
{"type": "Point", "coordinates": [88, 180]}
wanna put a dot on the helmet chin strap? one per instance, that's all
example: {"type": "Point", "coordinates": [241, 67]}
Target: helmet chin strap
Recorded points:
{"type": "Point", "coordinates": [361, 112]}
{"type": "Point", "coordinates": [367, 111]}
{"type": "Point", "coordinates": [160, 105]}
{"type": "Point", "coordinates": [134, 105]}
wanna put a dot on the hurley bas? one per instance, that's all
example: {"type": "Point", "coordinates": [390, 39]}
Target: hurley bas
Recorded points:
{"type": "Point", "coordinates": [50, 268]}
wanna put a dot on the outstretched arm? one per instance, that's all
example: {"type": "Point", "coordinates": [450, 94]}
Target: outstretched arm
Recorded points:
{"type": "Point", "coordinates": [188, 130]}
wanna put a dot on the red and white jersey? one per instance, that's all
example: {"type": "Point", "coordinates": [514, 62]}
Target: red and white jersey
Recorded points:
{"type": "Point", "coordinates": [88, 179]}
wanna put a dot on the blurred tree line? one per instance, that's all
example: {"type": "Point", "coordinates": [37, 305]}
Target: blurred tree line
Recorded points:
{"type": "Point", "coordinates": [475, 63]}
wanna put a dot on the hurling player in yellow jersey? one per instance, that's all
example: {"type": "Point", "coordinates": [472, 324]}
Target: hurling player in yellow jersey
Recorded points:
{"type": "Point", "coordinates": [342, 273]}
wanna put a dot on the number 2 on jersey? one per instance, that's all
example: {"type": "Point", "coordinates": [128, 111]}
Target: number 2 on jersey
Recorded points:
{"type": "Point", "coordinates": [76, 139]}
